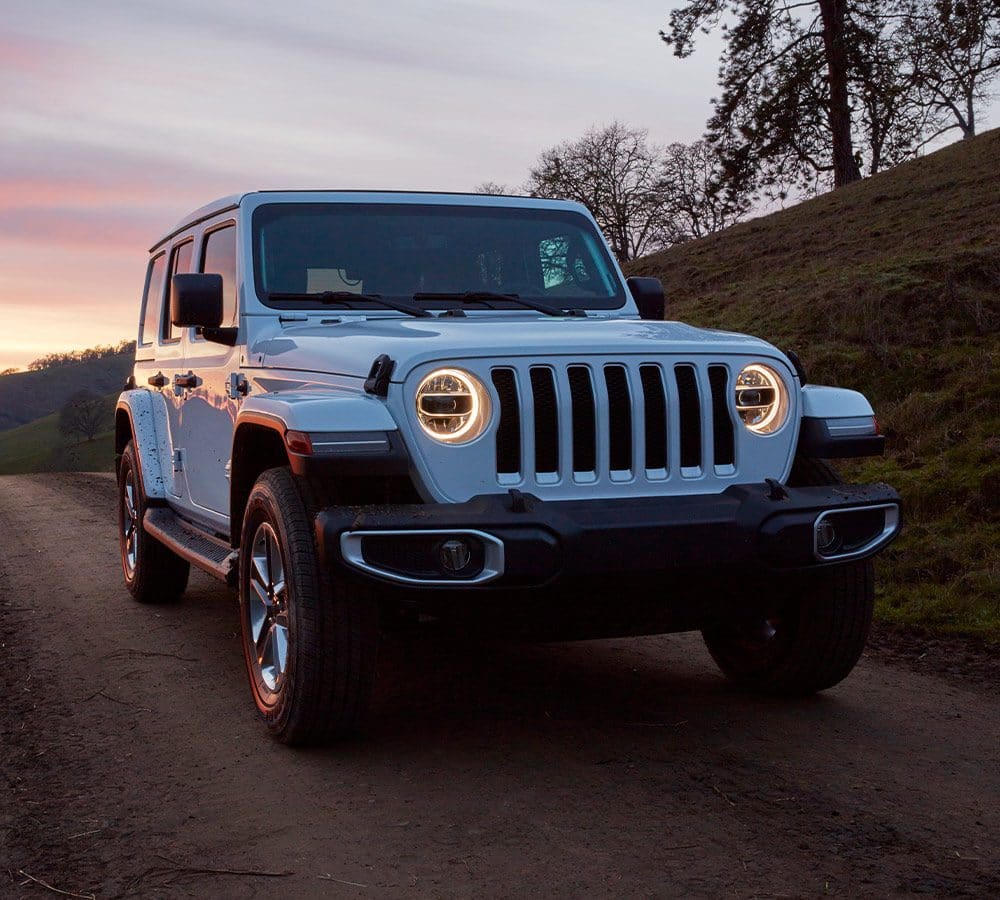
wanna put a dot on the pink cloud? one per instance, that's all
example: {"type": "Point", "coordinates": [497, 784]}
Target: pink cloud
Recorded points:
{"type": "Point", "coordinates": [109, 229]}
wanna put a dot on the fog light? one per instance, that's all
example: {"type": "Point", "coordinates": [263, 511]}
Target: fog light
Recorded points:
{"type": "Point", "coordinates": [827, 539]}
{"type": "Point", "coordinates": [454, 555]}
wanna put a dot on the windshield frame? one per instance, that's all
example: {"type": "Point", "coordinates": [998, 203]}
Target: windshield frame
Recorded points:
{"type": "Point", "coordinates": [613, 302]}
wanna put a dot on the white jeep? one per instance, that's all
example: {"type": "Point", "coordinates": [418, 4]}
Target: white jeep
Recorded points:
{"type": "Point", "coordinates": [368, 410]}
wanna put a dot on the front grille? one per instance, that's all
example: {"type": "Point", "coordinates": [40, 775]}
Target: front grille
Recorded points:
{"type": "Point", "coordinates": [613, 421]}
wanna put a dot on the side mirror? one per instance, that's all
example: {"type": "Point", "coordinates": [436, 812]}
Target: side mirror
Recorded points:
{"type": "Point", "coordinates": [196, 300]}
{"type": "Point", "coordinates": [648, 296]}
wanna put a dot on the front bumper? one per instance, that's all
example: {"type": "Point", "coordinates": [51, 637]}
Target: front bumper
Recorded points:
{"type": "Point", "coordinates": [519, 541]}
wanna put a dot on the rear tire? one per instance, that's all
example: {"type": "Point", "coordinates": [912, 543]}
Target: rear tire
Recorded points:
{"type": "Point", "coordinates": [310, 640]}
{"type": "Point", "coordinates": [811, 630]}
{"type": "Point", "coordinates": [153, 573]}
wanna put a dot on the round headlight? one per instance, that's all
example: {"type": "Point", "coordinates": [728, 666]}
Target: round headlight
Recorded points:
{"type": "Point", "coordinates": [761, 399]}
{"type": "Point", "coordinates": [452, 406]}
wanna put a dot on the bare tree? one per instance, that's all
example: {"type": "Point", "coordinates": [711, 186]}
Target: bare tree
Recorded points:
{"type": "Point", "coordinates": [954, 48]}
{"type": "Point", "coordinates": [83, 416]}
{"type": "Point", "coordinates": [493, 189]}
{"type": "Point", "coordinates": [615, 173]}
{"type": "Point", "coordinates": [695, 196]}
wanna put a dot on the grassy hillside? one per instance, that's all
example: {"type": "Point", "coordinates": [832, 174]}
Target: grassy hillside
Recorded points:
{"type": "Point", "coordinates": [890, 286]}
{"type": "Point", "coordinates": [39, 447]}
{"type": "Point", "coordinates": [26, 396]}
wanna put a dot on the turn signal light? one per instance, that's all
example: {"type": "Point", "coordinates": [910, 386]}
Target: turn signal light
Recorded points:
{"type": "Point", "coordinates": [299, 442]}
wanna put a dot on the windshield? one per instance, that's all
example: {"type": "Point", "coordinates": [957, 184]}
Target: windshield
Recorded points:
{"type": "Point", "coordinates": [406, 250]}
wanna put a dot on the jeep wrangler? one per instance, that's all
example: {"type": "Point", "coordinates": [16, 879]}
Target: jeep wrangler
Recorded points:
{"type": "Point", "coordinates": [370, 410]}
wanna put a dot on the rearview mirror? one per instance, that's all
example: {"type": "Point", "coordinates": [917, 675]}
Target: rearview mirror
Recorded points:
{"type": "Point", "coordinates": [648, 296]}
{"type": "Point", "coordinates": [196, 300]}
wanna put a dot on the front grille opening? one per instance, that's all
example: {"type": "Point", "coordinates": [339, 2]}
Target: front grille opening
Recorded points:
{"type": "Point", "coordinates": [619, 418]}
{"type": "Point", "coordinates": [581, 392]}
{"type": "Point", "coordinates": [543, 392]}
{"type": "Point", "coordinates": [722, 423]}
{"type": "Point", "coordinates": [690, 416]}
{"type": "Point", "coordinates": [654, 402]}
{"type": "Point", "coordinates": [509, 428]}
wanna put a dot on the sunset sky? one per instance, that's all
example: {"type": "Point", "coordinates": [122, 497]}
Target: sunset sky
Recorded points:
{"type": "Point", "coordinates": [116, 118]}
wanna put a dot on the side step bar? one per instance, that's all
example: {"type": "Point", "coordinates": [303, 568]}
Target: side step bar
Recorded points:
{"type": "Point", "coordinates": [201, 549]}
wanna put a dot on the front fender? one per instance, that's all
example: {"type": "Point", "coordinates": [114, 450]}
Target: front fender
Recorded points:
{"type": "Point", "coordinates": [819, 402]}
{"type": "Point", "coordinates": [147, 415]}
{"type": "Point", "coordinates": [317, 411]}
{"type": "Point", "coordinates": [838, 423]}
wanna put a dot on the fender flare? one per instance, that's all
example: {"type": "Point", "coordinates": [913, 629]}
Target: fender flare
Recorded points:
{"type": "Point", "coordinates": [838, 423]}
{"type": "Point", "coordinates": [148, 420]}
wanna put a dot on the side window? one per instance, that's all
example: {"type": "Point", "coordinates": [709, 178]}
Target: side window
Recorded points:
{"type": "Point", "coordinates": [219, 258]}
{"type": "Point", "coordinates": [180, 263]}
{"type": "Point", "coordinates": [153, 299]}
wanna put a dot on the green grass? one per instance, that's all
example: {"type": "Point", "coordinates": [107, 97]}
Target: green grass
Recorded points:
{"type": "Point", "coordinates": [890, 286]}
{"type": "Point", "coordinates": [39, 447]}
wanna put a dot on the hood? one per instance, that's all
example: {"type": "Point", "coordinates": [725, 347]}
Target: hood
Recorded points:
{"type": "Point", "coordinates": [348, 347]}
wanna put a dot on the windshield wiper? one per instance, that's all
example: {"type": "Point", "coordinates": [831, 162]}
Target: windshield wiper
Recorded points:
{"type": "Point", "coordinates": [486, 297]}
{"type": "Point", "coordinates": [350, 297]}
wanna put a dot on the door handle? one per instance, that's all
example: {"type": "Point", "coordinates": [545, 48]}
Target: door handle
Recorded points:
{"type": "Point", "coordinates": [186, 381]}
{"type": "Point", "coordinates": [158, 380]}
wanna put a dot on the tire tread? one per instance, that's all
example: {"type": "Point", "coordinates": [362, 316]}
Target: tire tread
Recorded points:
{"type": "Point", "coordinates": [835, 608]}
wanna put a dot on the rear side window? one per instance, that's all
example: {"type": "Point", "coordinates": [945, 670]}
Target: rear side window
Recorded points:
{"type": "Point", "coordinates": [219, 258]}
{"type": "Point", "coordinates": [153, 299]}
{"type": "Point", "coordinates": [180, 263]}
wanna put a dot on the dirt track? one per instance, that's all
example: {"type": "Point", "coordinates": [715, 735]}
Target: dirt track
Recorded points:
{"type": "Point", "coordinates": [130, 758]}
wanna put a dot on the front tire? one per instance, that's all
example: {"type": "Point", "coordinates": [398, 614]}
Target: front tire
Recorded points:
{"type": "Point", "coordinates": [809, 632]}
{"type": "Point", "coordinates": [153, 573]}
{"type": "Point", "coordinates": [310, 640]}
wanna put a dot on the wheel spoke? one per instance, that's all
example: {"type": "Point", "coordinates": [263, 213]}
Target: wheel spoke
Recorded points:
{"type": "Point", "coordinates": [261, 591]}
{"type": "Point", "coordinates": [257, 609]}
{"type": "Point", "coordinates": [130, 498]}
{"type": "Point", "coordinates": [260, 567]}
{"type": "Point", "coordinates": [265, 657]}
{"type": "Point", "coordinates": [279, 638]}
{"type": "Point", "coordinates": [260, 639]}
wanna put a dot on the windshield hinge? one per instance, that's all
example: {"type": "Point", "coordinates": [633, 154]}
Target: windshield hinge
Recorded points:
{"type": "Point", "coordinates": [377, 382]}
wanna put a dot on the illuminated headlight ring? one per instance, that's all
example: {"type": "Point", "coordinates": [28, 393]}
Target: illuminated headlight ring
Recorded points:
{"type": "Point", "coordinates": [761, 398]}
{"type": "Point", "coordinates": [453, 406]}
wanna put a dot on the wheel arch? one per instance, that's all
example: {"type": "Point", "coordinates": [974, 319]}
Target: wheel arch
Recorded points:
{"type": "Point", "coordinates": [258, 445]}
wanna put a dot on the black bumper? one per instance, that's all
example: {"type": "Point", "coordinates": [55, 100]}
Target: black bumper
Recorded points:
{"type": "Point", "coordinates": [765, 525]}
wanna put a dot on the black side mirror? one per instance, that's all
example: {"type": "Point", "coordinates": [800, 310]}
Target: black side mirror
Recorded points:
{"type": "Point", "coordinates": [196, 299]}
{"type": "Point", "coordinates": [648, 296]}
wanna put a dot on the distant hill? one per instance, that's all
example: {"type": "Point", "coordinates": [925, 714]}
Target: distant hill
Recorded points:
{"type": "Point", "coordinates": [39, 446]}
{"type": "Point", "coordinates": [890, 286]}
{"type": "Point", "coordinates": [25, 396]}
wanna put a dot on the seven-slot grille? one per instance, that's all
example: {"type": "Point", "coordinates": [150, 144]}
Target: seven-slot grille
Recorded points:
{"type": "Point", "coordinates": [613, 420]}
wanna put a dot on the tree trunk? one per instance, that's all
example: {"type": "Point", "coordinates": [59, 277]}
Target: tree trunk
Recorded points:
{"type": "Point", "coordinates": [969, 127]}
{"type": "Point", "coordinates": [845, 166]}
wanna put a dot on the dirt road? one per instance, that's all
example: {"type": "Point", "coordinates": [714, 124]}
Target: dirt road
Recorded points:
{"type": "Point", "coordinates": [132, 765]}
